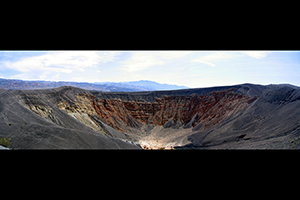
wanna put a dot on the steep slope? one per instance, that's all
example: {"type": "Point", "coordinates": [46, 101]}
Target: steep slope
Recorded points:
{"type": "Point", "coordinates": [190, 110]}
{"type": "Point", "coordinates": [32, 121]}
{"type": "Point", "coordinates": [272, 121]}
{"type": "Point", "coordinates": [239, 116]}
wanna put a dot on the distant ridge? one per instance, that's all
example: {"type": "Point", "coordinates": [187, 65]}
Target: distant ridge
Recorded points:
{"type": "Point", "coordinates": [133, 86]}
{"type": "Point", "coordinates": [144, 85]}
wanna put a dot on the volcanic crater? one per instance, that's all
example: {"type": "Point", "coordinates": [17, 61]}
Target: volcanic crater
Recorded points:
{"type": "Point", "coordinates": [240, 116]}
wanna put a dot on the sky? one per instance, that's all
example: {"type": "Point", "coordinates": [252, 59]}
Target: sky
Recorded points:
{"type": "Point", "coordinates": [193, 69]}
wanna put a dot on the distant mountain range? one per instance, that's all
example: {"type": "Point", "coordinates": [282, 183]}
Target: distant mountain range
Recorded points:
{"type": "Point", "coordinates": [143, 85]}
{"type": "Point", "coordinates": [132, 86]}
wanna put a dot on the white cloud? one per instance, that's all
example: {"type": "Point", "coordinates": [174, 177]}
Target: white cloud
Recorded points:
{"type": "Point", "coordinates": [23, 76]}
{"type": "Point", "coordinates": [208, 59]}
{"type": "Point", "coordinates": [140, 61]}
{"type": "Point", "coordinates": [44, 75]}
{"type": "Point", "coordinates": [205, 62]}
{"type": "Point", "coordinates": [71, 60]}
{"type": "Point", "coordinates": [145, 59]}
{"type": "Point", "coordinates": [172, 54]}
{"type": "Point", "coordinates": [54, 63]}
{"type": "Point", "coordinates": [256, 54]}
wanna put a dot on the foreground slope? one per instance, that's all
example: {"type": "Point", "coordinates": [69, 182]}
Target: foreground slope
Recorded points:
{"type": "Point", "coordinates": [46, 126]}
{"type": "Point", "coordinates": [239, 116]}
{"type": "Point", "coordinates": [272, 121]}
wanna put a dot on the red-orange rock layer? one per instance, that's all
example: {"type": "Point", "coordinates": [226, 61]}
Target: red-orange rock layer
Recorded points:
{"type": "Point", "coordinates": [207, 110]}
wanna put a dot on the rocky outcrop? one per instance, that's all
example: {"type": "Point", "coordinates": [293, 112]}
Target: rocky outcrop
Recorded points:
{"type": "Point", "coordinates": [41, 110]}
{"type": "Point", "coordinates": [200, 111]}
{"type": "Point", "coordinates": [83, 112]}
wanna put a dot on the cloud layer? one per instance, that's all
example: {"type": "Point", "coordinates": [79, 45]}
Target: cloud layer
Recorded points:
{"type": "Point", "coordinates": [54, 63]}
{"type": "Point", "coordinates": [145, 59]}
{"type": "Point", "coordinates": [256, 54]}
{"type": "Point", "coordinates": [210, 58]}
{"type": "Point", "coordinates": [190, 68]}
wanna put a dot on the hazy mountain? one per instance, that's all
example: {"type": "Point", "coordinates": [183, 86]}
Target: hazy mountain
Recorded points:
{"type": "Point", "coordinates": [227, 117]}
{"type": "Point", "coordinates": [144, 85]}
{"type": "Point", "coordinates": [11, 84]}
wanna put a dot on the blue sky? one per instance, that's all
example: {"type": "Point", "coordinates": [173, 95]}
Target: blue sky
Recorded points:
{"type": "Point", "coordinates": [188, 68]}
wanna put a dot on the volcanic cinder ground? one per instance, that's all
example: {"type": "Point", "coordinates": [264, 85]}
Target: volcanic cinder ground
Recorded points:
{"type": "Point", "coordinates": [230, 117]}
